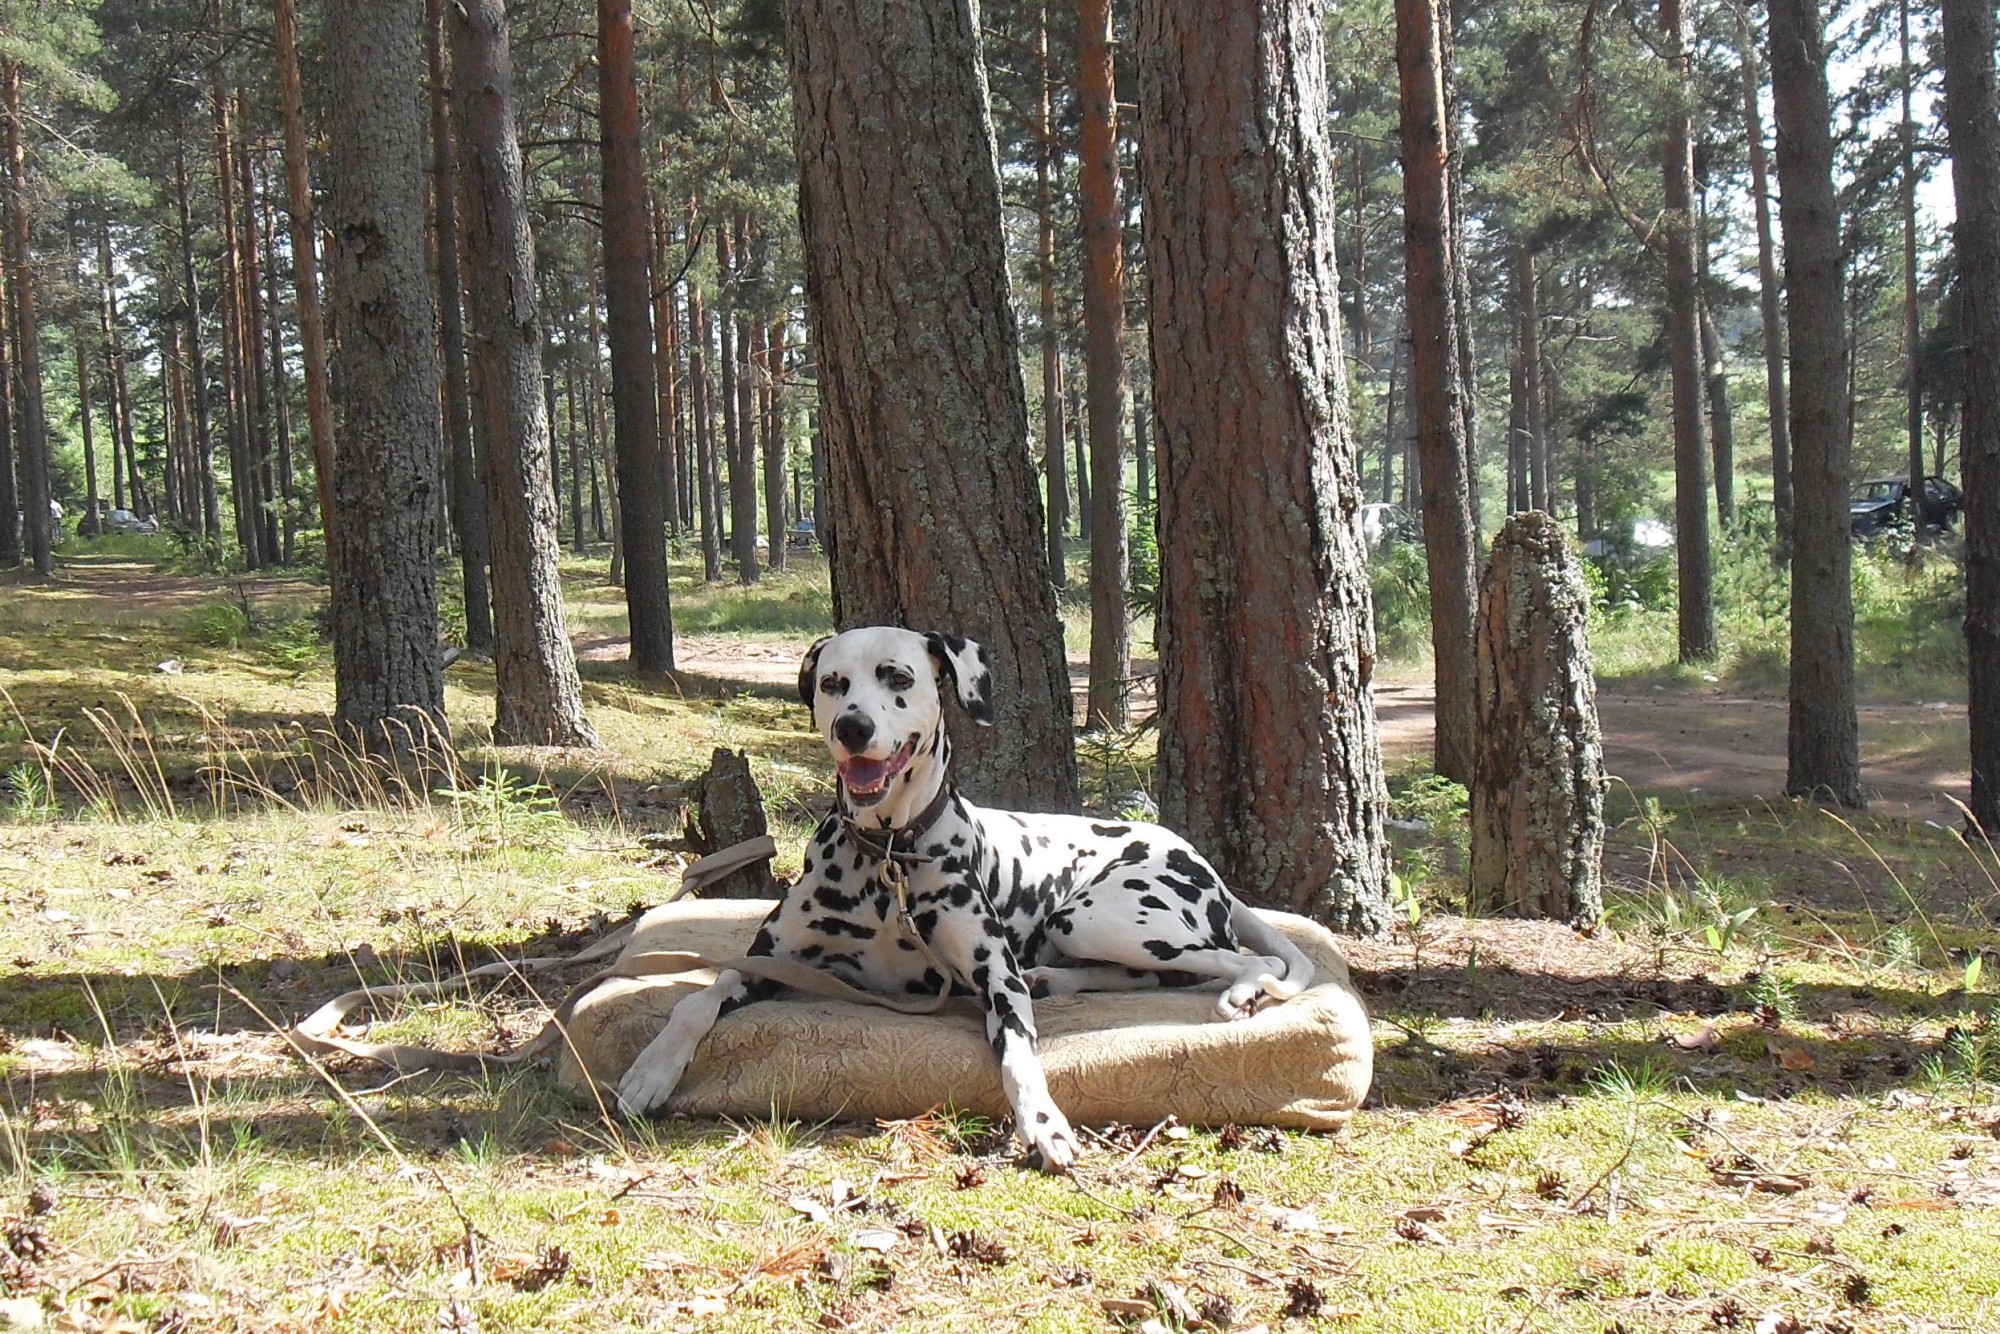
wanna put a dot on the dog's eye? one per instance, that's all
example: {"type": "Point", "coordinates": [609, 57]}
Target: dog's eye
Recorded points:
{"type": "Point", "coordinates": [833, 685]}
{"type": "Point", "coordinates": [901, 681]}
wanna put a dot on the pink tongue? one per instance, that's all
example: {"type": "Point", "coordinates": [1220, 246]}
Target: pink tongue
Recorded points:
{"type": "Point", "coordinates": [863, 773]}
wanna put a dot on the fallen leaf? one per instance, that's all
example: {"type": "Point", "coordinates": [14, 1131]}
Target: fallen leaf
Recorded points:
{"type": "Point", "coordinates": [1706, 1040]}
{"type": "Point", "coordinates": [875, 1239]}
{"type": "Point", "coordinates": [1789, 1056]}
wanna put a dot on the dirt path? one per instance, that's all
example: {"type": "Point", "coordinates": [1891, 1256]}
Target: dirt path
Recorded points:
{"type": "Point", "coordinates": [1914, 756]}
{"type": "Point", "coordinates": [1713, 744]}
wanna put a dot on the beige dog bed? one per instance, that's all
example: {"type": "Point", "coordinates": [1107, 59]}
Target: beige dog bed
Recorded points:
{"type": "Point", "coordinates": [1135, 1057]}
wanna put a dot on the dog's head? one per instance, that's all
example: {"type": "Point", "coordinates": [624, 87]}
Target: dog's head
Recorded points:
{"type": "Point", "coordinates": [877, 697]}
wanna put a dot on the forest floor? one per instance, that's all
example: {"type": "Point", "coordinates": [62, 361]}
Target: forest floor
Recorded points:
{"type": "Point", "coordinates": [1764, 1095]}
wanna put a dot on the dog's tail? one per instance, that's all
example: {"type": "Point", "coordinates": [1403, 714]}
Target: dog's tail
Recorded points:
{"type": "Point", "coordinates": [1261, 937]}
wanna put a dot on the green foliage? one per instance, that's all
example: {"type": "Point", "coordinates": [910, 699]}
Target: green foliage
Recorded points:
{"type": "Point", "coordinates": [32, 799]}
{"type": "Point", "coordinates": [222, 623]}
{"type": "Point", "coordinates": [506, 810]}
{"type": "Point", "coordinates": [1400, 581]}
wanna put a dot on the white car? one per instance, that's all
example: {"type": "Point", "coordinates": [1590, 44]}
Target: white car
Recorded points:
{"type": "Point", "coordinates": [125, 521]}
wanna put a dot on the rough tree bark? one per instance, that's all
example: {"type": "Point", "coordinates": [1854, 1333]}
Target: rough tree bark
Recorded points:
{"type": "Point", "coordinates": [1693, 559]}
{"type": "Point", "coordinates": [1269, 757]}
{"type": "Point", "coordinates": [1972, 119]}
{"type": "Point", "coordinates": [925, 415]}
{"type": "Point", "coordinates": [1538, 771]}
{"type": "Point", "coordinates": [468, 491]}
{"type": "Point", "coordinates": [387, 674]}
{"type": "Point", "coordinates": [539, 698]}
{"type": "Point", "coordinates": [1104, 363]}
{"type": "Point", "coordinates": [32, 441]}
{"type": "Point", "coordinates": [628, 295]}
{"type": "Point", "coordinates": [1436, 383]}
{"type": "Point", "coordinates": [1823, 744]}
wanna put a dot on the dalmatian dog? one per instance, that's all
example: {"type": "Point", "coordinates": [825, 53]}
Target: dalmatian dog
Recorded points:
{"type": "Point", "coordinates": [910, 890]}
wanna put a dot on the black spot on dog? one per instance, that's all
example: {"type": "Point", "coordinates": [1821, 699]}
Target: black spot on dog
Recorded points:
{"type": "Point", "coordinates": [1111, 830]}
{"type": "Point", "coordinates": [833, 875]}
{"type": "Point", "coordinates": [811, 952]}
{"type": "Point", "coordinates": [1218, 922]}
{"type": "Point", "coordinates": [840, 926]}
{"type": "Point", "coordinates": [1161, 949]}
{"type": "Point", "coordinates": [1183, 863]}
{"type": "Point", "coordinates": [831, 899]}
{"type": "Point", "coordinates": [1153, 902]}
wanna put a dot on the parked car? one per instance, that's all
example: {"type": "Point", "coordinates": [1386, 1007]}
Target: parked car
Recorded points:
{"type": "Point", "coordinates": [125, 521]}
{"type": "Point", "coordinates": [1389, 523]}
{"type": "Point", "coordinates": [1881, 502]}
{"type": "Point", "coordinates": [1649, 538]}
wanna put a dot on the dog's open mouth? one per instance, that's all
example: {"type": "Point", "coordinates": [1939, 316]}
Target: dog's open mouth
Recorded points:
{"type": "Point", "coordinates": [868, 778]}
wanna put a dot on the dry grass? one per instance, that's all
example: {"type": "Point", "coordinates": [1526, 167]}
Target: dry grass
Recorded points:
{"type": "Point", "coordinates": [1763, 1097]}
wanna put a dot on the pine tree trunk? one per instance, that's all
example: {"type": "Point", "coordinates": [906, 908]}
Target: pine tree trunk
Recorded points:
{"type": "Point", "coordinates": [281, 418]}
{"type": "Point", "coordinates": [32, 449]}
{"type": "Point", "coordinates": [1436, 381]}
{"type": "Point", "coordinates": [1084, 510]}
{"type": "Point", "coordinates": [468, 493]}
{"type": "Point", "coordinates": [1269, 759]}
{"type": "Point", "coordinates": [1691, 536]}
{"type": "Point", "coordinates": [775, 525]}
{"type": "Point", "coordinates": [700, 343]}
{"type": "Point", "coordinates": [926, 420]}
{"type": "Point", "coordinates": [727, 365]}
{"type": "Point", "coordinates": [743, 458]}
{"type": "Point", "coordinates": [1054, 434]}
{"type": "Point", "coordinates": [231, 313]}
{"type": "Point", "coordinates": [1108, 703]}
{"type": "Point", "coordinates": [1823, 740]}
{"type": "Point", "coordinates": [1721, 421]}
{"type": "Point", "coordinates": [92, 522]}
{"type": "Point", "coordinates": [10, 502]}
{"type": "Point", "coordinates": [305, 269]}
{"type": "Point", "coordinates": [539, 699]}
{"type": "Point", "coordinates": [1540, 493]}
{"type": "Point", "coordinates": [1913, 363]}
{"type": "Point", "coordinates": [1538, 770]}
{"type": "Point", "coordinates": [203, 455]}
{"type": "Point", "coordinates": [1769, 294]}
{"type": "Point", "coordinates": [385, 630]}
{"type": "Point", "coordinates": [113, 369]}
{"type": "Point", "coordinates": [666, 385]}
{"type": "Point", "coordinates": [1972, 119]}
{"type": "Point", "coordinates": [628, 293]}
{"type": "Point", "coordinates": [257, 416]}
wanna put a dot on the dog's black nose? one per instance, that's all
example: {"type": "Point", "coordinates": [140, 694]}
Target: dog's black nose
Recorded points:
{"type": "Point", "coordinates": [854, 730]}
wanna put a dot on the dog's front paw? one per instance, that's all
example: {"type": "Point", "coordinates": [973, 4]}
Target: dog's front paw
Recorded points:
{"type": "Point", "coordinates": [652, 1078]}
{"type": "Point", "coordinates": [1052, 1145]}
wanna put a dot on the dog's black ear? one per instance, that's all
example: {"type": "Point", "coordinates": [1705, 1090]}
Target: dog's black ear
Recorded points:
{"type": "Point", "coordinates": [809, 671]}
{"type": "Point", "coordinates": [963, 663]}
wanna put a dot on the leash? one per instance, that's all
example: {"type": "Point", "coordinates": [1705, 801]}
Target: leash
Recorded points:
{"type": "Point", "coordinates": [317, 1033]}
{"type": "Point", "coordinates": [893, 871]}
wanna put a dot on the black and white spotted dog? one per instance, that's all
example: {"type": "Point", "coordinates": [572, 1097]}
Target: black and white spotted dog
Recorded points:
{"type": "Point", "coordinates": [908, 888]}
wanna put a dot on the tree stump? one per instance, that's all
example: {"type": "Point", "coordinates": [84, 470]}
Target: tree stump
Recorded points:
{"type": "Point", "coordinates": [726, 808]}
{"type": "Point", "coordinates": [1538, 764]}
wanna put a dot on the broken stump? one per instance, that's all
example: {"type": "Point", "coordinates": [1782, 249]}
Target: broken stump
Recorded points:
{"type": "Point", "coordinates": [1538, 760]}
{"type": "Point", "coordinates": [725, 808]}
